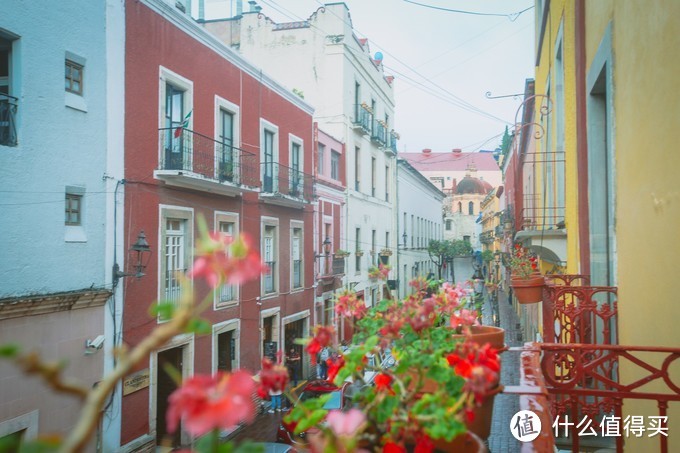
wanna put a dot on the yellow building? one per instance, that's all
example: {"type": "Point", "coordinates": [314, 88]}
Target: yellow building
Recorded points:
{"type": "Point", "coordinates": [605, 198]}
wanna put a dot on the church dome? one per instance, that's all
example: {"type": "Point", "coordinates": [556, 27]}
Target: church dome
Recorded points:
{"type": "Point", "coordinates": [472, 185]}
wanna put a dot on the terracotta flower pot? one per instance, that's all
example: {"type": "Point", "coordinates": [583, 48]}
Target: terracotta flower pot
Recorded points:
{"type": "Point", "coordinates": [528, 290]}
{"type": "Point", "coordinates": [485, 334]}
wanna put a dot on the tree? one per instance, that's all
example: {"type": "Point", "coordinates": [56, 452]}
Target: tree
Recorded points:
{"type": "Point", "coordinates": [445, 251]}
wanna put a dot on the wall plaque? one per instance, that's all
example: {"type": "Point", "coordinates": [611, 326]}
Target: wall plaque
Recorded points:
{"type": "Point", "coordinates": [136, 381]}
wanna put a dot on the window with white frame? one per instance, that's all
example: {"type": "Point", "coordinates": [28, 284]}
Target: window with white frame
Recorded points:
{"type": "Point", "coordinates": [175, 246]}
{"type": "Point", "coordinates": [296, 258]}
{"type": "Point", "coordinates": [322, 151]}
{"type": "Point", "coordinates": [176, 106]}
{"type": "Point", "coordinates": [295, 177]}
{"type": "Point", "coordinates": [227, 224]}
{"type": "Point", "coordinates": [335, 165]}
{"type": "Point", "coordinates": [269, 156]}
{"type": "Point", "coordinates": [270, 256]}
{"type": "Point", "coordinates": [225, 157]}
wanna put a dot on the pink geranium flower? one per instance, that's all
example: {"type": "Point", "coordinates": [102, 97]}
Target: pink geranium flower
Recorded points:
{"type": "Point", "coordinates": [345, 423]}
{"type": "Point", "coordinates": [222, 259]}
{"type": "Point", "coordinates": [204, 403]}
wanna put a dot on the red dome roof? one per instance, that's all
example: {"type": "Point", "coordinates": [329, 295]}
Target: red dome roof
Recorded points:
{"type": "Point", "coordinates": [470, 185]}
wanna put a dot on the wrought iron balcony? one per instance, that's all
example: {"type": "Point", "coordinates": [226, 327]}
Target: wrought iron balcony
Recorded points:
{"type": "Point", "coordinates": [379, 133]}
{"type": "Point", "coordinates": [285, 186]}
{"type": "Point", "coordinates": [575, 378]}
{"type": "Point", "coordinates": [486, 237]}
{"type": "Point", "coordinates": [363, 119]}
{"type": "Point", "coordinates": [393, 141]}
{"type": "Point", "coordinates": [192, 160]}
{"type": "Point", "coordinates": [8, 111]}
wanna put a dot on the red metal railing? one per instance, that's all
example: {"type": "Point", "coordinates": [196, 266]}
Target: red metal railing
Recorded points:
{"type": "Point", "coordinates": [577, 374]}
{"type": "Point", "coordinates": [589, 392]}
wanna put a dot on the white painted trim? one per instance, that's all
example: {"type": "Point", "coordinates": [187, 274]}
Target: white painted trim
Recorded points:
{"type": "Point", "coordinates": [295, 139]}
{"type": "Point", "coordinates": [165, 76]}
{"type": "Point", "coordinates": [295, 317]}
{"type": "Point", "coordinates": [220, 328]}
{"type": "Point", "coordinates": [186, 341]}
{"type": "Point", "coordinates": [235, 110]}
{"type": "Point", "coordinates": [195, 31]}
{"type": "Point", "coordinates": [220, 216]}
{"type": "Point", "coordinates": [28, 421]}
{"type": "Point", "coordinates": [301, 225]}
{"type": "Point", "coordinates": [190, 244]}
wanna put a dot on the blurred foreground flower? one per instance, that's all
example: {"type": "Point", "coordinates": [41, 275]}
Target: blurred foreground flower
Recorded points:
{"type": "Point", "coordinates": [205, 403]}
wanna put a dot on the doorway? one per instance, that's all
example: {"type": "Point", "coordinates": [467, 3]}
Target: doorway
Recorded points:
{"type": "Point", "coordinates": [165, 386]}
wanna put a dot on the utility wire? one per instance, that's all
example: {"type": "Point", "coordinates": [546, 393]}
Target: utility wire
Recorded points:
{"type": "Point", "coordinates": [512, 16]}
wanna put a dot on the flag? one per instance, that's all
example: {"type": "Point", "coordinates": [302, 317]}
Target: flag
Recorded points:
{"type": "Point", "coordinates": [479, 218]}
{"type": "Point", "coordinates": [184, 125]}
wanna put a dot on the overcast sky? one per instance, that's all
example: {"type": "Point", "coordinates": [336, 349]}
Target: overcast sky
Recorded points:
{"type": "Point", "coordinates": [463, 55]}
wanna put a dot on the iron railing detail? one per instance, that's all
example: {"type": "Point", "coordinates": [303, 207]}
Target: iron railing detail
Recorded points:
{"type": "Point", "coordinates": [186, 150]}
{"type": "Point", "coordinates": [281, 180]}
{"type": "Point", "coordinates": [363, 118]}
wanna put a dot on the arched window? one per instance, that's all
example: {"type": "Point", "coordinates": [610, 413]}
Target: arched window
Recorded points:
{"type": "Point", "coordinates": [460, 207]}
{"type": "Point", "coordinates": [471, 208]}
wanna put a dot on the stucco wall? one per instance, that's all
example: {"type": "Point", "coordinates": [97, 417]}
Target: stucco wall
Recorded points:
{"type": "Point", "coordinates": [58, 146]}
{"type": "Point", "coordinates": [646, 106]}
{"type": "Point", "coordinates": [56, 336]}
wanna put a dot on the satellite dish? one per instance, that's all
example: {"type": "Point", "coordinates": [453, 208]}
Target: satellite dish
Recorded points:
{"type": "Point", "coordinates": [378, 57]}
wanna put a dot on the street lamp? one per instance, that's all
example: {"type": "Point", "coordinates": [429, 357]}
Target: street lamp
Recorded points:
{"type": "Point", "coordinates": [143, 251]}
{"type": "Point", "coordinates": [327, 246]}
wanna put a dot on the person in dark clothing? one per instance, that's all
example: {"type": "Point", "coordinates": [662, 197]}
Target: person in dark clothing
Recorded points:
{"type": "Point", "coordinates": [293, 362]}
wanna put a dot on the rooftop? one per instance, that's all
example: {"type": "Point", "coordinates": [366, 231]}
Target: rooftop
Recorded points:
{"type": "Point", "coordinates": [426, 160]}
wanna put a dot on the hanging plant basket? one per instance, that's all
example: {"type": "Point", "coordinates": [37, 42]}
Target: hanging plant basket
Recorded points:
{"type": "Point", "coordinates": [528, 290]}
{"type": "Point", "coordinates": [359, 253]}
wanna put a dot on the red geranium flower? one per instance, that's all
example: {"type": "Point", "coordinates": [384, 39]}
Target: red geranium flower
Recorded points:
{"type": "Point", "coordinates": [205, 403]}
{"type": "Point", "coordinates": [272, 377]}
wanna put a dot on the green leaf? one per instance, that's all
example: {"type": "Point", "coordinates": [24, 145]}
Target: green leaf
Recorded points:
{"type": "Point", "coordinates": [199, 327]}
{"type": "Point", "coordinates": [312, 420]}
{"type": "Point", "coordinates": [174, 373]}
{"type": "Point", "coordinates": [164, 310]}
{"type": "Point", "coordinates": [9, 350]}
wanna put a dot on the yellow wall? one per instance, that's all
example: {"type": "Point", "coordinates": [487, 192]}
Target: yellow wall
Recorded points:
{"type": "Point", "coordinates": [561, 14]}
{"type": "Point", "coordinates": [646, 91]}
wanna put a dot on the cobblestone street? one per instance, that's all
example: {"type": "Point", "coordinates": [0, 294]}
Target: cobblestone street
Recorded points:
{"type": "Point", "coordinates": [501, 439]}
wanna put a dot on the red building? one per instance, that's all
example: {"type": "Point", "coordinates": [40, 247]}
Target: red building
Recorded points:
{"type": "Point", "coordinates": [329, 224]}
{"type": "Point", "coordinates": [207, 134]}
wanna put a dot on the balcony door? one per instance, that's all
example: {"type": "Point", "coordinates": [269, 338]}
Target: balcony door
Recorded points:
{"type": "Point", "coordinates": [268, 171]}
{"type": "Point", "coordinates": [295, 177]}
{"type": "Point", "coordinates": [226, 147]}
{"type": "Point", "coordinates": [174, 116]}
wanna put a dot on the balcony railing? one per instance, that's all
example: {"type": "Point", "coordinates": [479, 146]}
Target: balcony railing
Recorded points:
{"type": "Point", "coordinates": [8, 111]}
{"type": "Point", "coordinates": [363, 118]}
{"type": "Point", "coordinates": [542, 218]}
{"type": "Point", "coordinates": [189, 151]}
{"type": "Point", "coordinates": [577, 374]}
{"type": "Point", "coordinates": [393, 142]}
{"type": "Point", "coordinates": [281, 180]}
{"type": "Point", "coordinates": [379, 133]}
{"type": "Point", "coordinates": [487, 237]}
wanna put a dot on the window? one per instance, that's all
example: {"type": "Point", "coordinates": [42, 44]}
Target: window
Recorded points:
{"type": "Point", "coordinates": [226, 156]}
{"type": "Point", "coordinates": [228, 225]}
{"type": "Point", "coordinates": [466, 239]}
{"type": "Point", "coordinates": [357, 100]}
{"type": "Point", "coordinates": [268, 162]}
{"type": "Point", "coordinates": [471, 208]}
{"type": "Point", "coordinates": [460, 207]}
{"type": "Point", "coordinates": [373, 251]}
{"type": "Point", "coordinates": [270, 254]}
{"type": "Point", "coordinates": [227, 359]}
{"type": "Point", "coordinates": [296, 257]}
{"type": "Point", "coordinates": [357, 169]}
{"type": "Point", "coordinates": [74, 77]}
{"type": "Point", "coordinates": [8, 103]}
{"type": "Point", "coordinates": [387, 183]}
{"type": "Point", "coordinates": [74, 209]}
{"type": "Point", "coordinates": [295, 170]}
{"type": "Point", "coordinates": [335, 165]}
{"type": "Point", "coordinates": [413, 229]}
{"type": "Point", "coordinates": [373, 176]}
{"type": "Point", "coordinates": [175, 249]}
{"type": "Point", "coordinates": [322, 150]}
{"type": "Point", "coordinates": [357, 248]}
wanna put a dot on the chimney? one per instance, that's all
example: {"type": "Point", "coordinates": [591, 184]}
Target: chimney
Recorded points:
{"type": "Point", "coordinates": [427, 151]}
{"type": "Point", "coordinates": [253, 6]}
{"type": "Point", "coordinates": [201, 10]}
{"type": "Point", "coordinates": [239, 7]}
{"type": "Point", "coordinates": [457, 150]}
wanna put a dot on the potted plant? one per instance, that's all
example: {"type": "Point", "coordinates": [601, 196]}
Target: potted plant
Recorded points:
{"type": "Point", "coordinates": [381, 272]}
{"type": "Point", "coordinates": [359, 253]}
{"type": "Point", "coordinates": [527, 283]}
{"type": "Point", "coordinates": [385, 252]}
{"type": "Point", "coordinates": [430, 394]}
{"type": "Point", "coordinates": [340, 253]}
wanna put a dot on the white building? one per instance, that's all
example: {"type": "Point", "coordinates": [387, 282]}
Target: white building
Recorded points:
{"type": "Point", "coordinates": [420, 221]}
{"type": "Point", "coordinates": [61, 161]}
{"type": "Point", "coordinates": [323, 60]}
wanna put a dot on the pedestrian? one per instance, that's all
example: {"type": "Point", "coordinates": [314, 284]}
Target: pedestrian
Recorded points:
{"type": "Point", "coordinates": [293, 362]}
{"type": "Point", "coordinates": [324, 355]}
{"type": "Point", "coordinates": [276, 400]}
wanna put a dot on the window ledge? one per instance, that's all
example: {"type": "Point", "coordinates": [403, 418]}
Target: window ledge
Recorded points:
{"type": "Point", "coordinates": [75, 102]}
{"type": "Point", "coordinates": [75, 233]}
{"type": "Point", "coordinates": [228, 304]}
